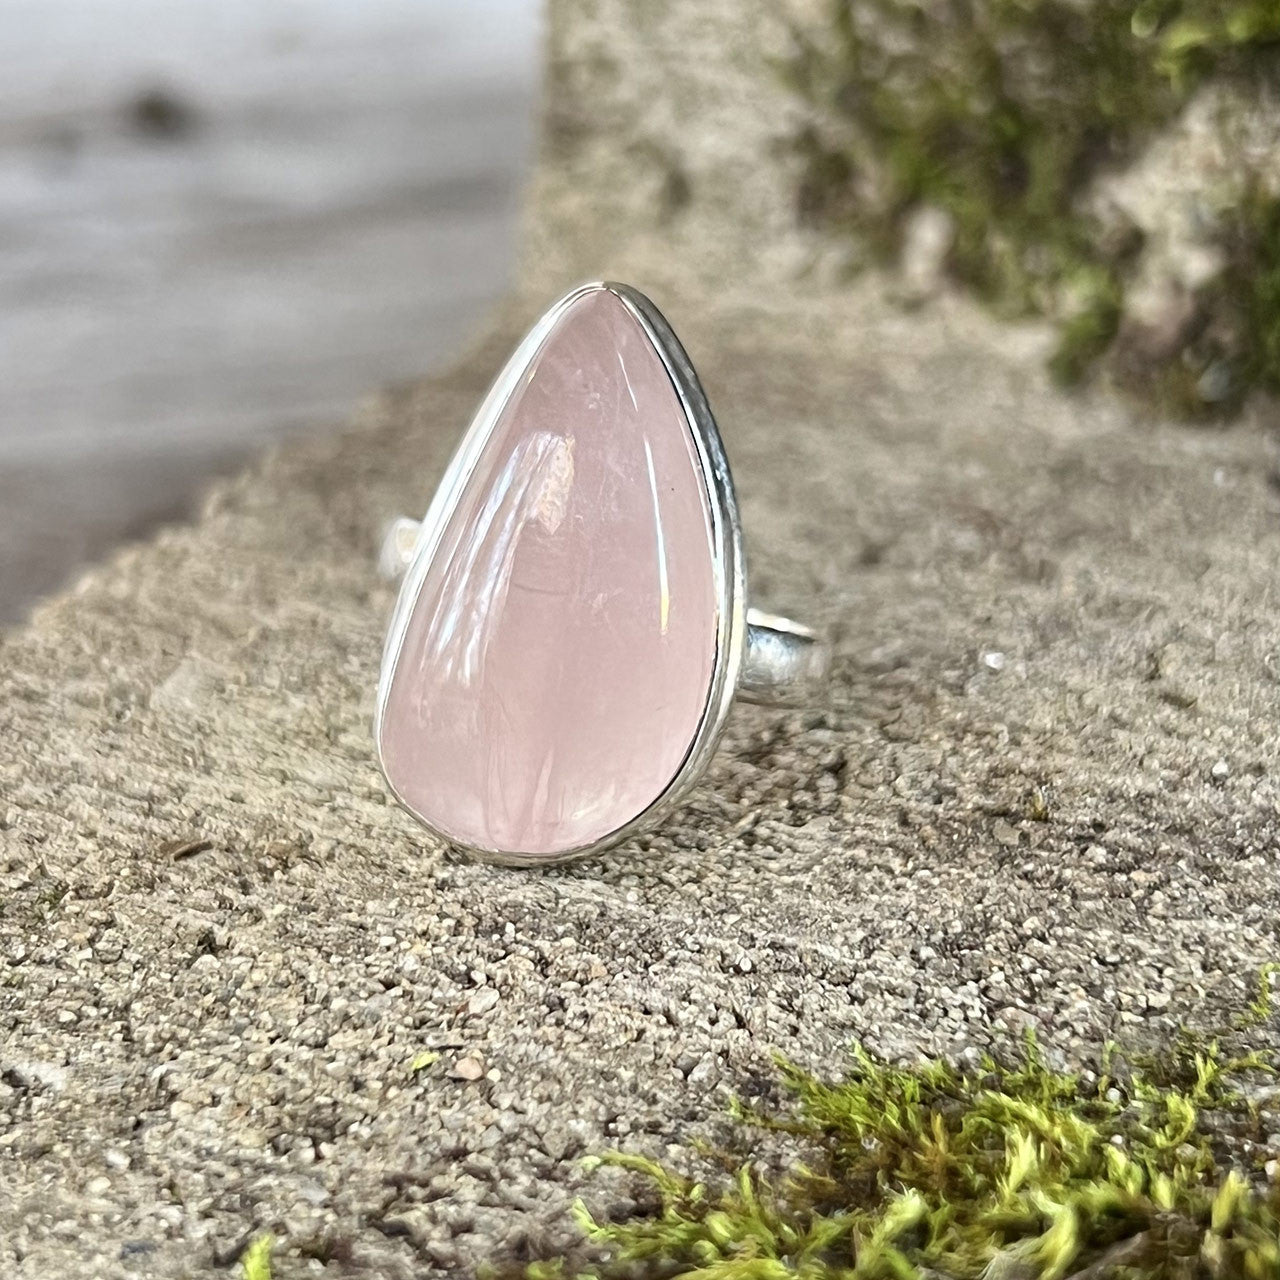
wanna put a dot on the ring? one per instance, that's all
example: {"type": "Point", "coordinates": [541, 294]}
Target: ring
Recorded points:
{"type": "Point", "coordinates": [572, 623]}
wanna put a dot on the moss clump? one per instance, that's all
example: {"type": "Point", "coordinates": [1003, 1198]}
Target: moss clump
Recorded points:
{"type": "Point", "coordinates": [255, 1262]}
{"type": "Point", "coordinates": [1008, 1171]}
{"type": "Point", "coordinates": [1002, 113]}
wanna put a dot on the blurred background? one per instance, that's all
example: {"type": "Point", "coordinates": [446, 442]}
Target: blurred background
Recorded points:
{"type": "Point", "coordinates": [222, 221]}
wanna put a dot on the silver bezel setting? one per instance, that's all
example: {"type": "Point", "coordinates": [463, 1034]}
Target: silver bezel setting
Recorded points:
{"type": "Point", "coordinates": [728, 566]}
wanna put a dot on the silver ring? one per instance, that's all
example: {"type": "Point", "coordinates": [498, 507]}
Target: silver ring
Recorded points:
{"type": "Point", "coordinates": [572, 624]}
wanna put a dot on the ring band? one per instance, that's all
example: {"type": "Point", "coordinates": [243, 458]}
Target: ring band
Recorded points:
{"type": "Point", "coordinates": [571, 626]}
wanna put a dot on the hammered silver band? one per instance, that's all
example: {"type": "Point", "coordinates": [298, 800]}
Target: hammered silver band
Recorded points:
{"type": "Point", "coordinates": [784, 663]}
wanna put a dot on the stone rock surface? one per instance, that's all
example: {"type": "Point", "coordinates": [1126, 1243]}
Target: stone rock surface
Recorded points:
{"type": "Point", "coordinates": [558, 661]}
{"type": "Point", "coordinates": [1055, 626]}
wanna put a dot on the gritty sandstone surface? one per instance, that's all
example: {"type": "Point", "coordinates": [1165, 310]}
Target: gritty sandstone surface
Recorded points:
{"type": "Point", "coordinates": [1040, 791]}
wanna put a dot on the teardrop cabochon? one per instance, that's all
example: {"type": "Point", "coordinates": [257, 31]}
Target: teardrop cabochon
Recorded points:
{"type": "Point", "coordinates": [568, 636]}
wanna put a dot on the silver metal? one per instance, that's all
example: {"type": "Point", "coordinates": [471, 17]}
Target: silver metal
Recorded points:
{"type": "Point", "coordinates": [762, 657]}
{"type": "Point", "coordinates": [785, 662]}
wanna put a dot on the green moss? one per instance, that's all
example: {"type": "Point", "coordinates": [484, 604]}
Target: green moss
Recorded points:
{"type": "Point", "coordinates": [1247, 295]}
{"type": "Point", "coordinates": [255, 1262]}
{"type": "Point", "coordinates": [1002, 113]}
{"type": "Point", "coordinates": [1086, 334]}
{"type": "Point", "coordinates": [1011, 1170]}
{"type": "Point", "coordinates": [1261, 1008]}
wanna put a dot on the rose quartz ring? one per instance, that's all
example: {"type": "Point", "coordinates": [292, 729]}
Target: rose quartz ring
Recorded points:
{"type": "Point", "coordinates": [572, 624]}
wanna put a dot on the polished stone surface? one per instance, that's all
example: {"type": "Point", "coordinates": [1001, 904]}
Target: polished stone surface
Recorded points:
{"type": "Point", "coordinates": [560, 654]}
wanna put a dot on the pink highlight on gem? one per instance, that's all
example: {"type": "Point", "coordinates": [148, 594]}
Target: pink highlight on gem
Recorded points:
{"type": "Point", "coordinates": [559, 657]}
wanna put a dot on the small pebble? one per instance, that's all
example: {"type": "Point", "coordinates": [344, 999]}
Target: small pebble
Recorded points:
{"type": "Point", "coordinates": [482, 1001]}
{"type": "Point", "coordinates": [1005, 833]}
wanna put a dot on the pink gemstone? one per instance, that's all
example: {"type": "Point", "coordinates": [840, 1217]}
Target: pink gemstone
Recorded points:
{"type": "Point", "coordinates": [559, 657]}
